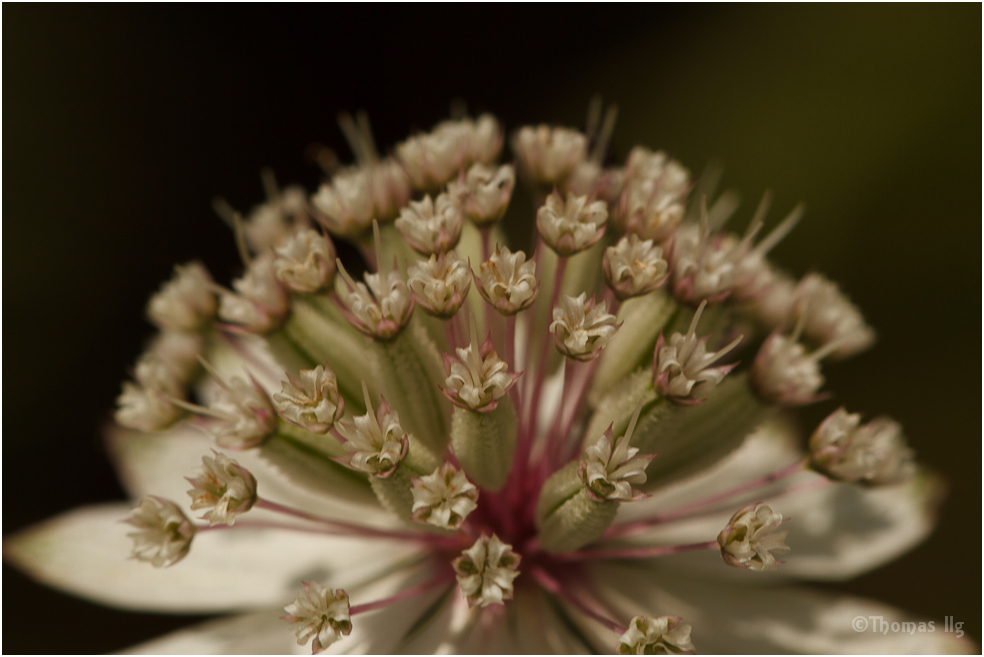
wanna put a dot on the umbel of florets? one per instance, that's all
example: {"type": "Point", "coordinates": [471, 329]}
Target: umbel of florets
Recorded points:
{"type": "Point", "coordinates": [615, 394]}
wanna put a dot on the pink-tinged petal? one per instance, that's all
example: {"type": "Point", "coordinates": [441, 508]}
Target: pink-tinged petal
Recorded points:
{"type": "Point", "coordinates": [728, 618]}
{"type": "Point", "coordinates": [86, 552]}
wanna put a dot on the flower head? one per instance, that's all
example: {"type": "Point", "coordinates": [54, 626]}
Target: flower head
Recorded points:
{"type": "Point", "coordinates": [443, 478]}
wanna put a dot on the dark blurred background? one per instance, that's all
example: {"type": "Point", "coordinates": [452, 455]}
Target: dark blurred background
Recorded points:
{"type": "Point", "coordinates": [122, 123]}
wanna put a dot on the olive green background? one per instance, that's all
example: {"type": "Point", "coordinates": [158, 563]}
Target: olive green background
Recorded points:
{"type": "Point", "coordinates": [123, 122]}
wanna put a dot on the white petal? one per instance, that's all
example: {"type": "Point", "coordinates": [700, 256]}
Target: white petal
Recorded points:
{"type": "Point", "coordinates": [86, 552]}
{"type": "Point", "coordinates": [739, 619]}
{"type": "Point", "coordinates": [260, 633]}
{"type": "Point", "coordinates": [156, 464]}
{"type": "Point", "coordinates": [836, 531]}
{"type": "Point", "coordinates": [772, 446]}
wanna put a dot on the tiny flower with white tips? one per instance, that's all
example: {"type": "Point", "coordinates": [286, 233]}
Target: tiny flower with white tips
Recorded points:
{"type": "Point", "coordinates": [785, 373]}
{"type": "Point", "coordinates": [830, 317]}
{"type": "Point", "coordinates": [144, 409]}
{"type": "Point", "coordinates": [682, 367]}
{"type": "Point", "coordinates": [275, 220]}
{"type": "Point", "coordinates": [634, 267]}
{"type": "Point", "coordinates": [663, 635]}
{"type": "Point", "coordinates": [611, 467]}
{"type": "Point", "coordinates": [750, 538]}
{"type": "Point", "coordinates": [484, 193]}
{"type": "Point", "coordinates": [477, 378]}
{"type": "Point", "coordinates": [380, 310]}
{"type": "Point", "coordinates": [444, 498]}
{"type": "Point", "coordinates": [186, 302]}
{"type": "Point", "coordinates": [435, 158]}
{"type": "Point", "coordinates": [431, 226]}
{"type": "Point", "coordinates": [354, 197]}
{"type": "Point", "coordinates": [654, 194]}
{"type": "Point", "coordinates": [243, 413]}
{"type": "Point", "coordinates": [259, 303]}
{"type": "Point", "coordinates": [319, 613]}
{"type": "Point", "coordinates": [180, 350]}
{"type": "Point", "coordinates": [582, 327]}
{"type": "Point", "coordinates": [507, 281]}
{"type": "Point", "coordinates": [874, 453]}
{"type": "Point", "coordinates": [375, 441]}
{"type": "Point", "coordinates": [146, 405]}
{"type": "Point", "coordinates": [547, 155]}
{"type": "Point", "coordinates": [440, 283]}
{"type": "Point", "coordinates": [224, 487]}
{"type": "Point", "coordinates": [164, 532]}
{"type": "Point", "coordinates": [571, 226]}
{"type": "Point", "coordinates": [310, 400]}
{"type": "Point", "coordinates": [306, 262]}
{"type": "Point", "coordinates": [486, 571]}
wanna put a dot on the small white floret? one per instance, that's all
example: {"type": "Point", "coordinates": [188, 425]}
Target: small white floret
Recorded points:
{"type": "Point", "coordinates": [486, 571]}
{"type": "Point", "coordinates": [444, 498]}
{"type": "Point", "coordinates": [319, 613]}
{"type": "Point", "coordinates": [663, 635]}
{"type": "Point", "coordinates": [164, 533]}
{"type": "Point", "coordinates": [223, 487]}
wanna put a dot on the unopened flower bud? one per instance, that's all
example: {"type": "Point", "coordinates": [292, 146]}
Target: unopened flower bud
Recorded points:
{"type": "Point", "coordinates": [431, 227]}
{"type": "Point", "coordinates": [682, 367]}
{"type": "Point", "coordinates": [259, 303]}
{"type": "Point", "coordinates": [381, 306]}
{"type": "Point", "coordinates": [830, 317]}
{"type": "Point", "coordinates": [750, 538]}
{"type": "Point", "coordinates": [547, 155]}
{"type": "Point", "coordinates": [634, 267]}
{"type": "Point", "coordinates": [244, 415]}
{"type": "Point", "coordinates": [355, 196]}
{"type": "Point", "coordinates": [306, 262]}
{"type": "Point", "coordinates": [310, 400]}
{"type": "Point", "coordinates": [319, 613]}
{"type": "Point", "coordinates": [186, 302]}
{"type": "Point", "coordinates": [663, 635]}
{"type": "Point", "coordinates": [785, 373]}
{"type": "Point", "coordinates": [486, 572]}
{"type": "Point", "coordinates": [440, 283]}
{"type": "Point", "coordinates": [582, 327]}
{"type": "Point", "coordinates": [571, 226]}
{"type": "Point", "coordinates": [874, 453]}
{"type": "Point", "coordinates": [224, 487]}
{"type": "Point", "coordinates": [435, 158]}
{"type": "Point", "coordinates": [444, 498]}
{"type": "Point", "coordinates": [507, 281]}
{"type": "Point", "coordinates": [164, 532]}
{"type": "Point", "coordinates": [484, 193]}
{"type": "Point", "coordinates": [654, 194]}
